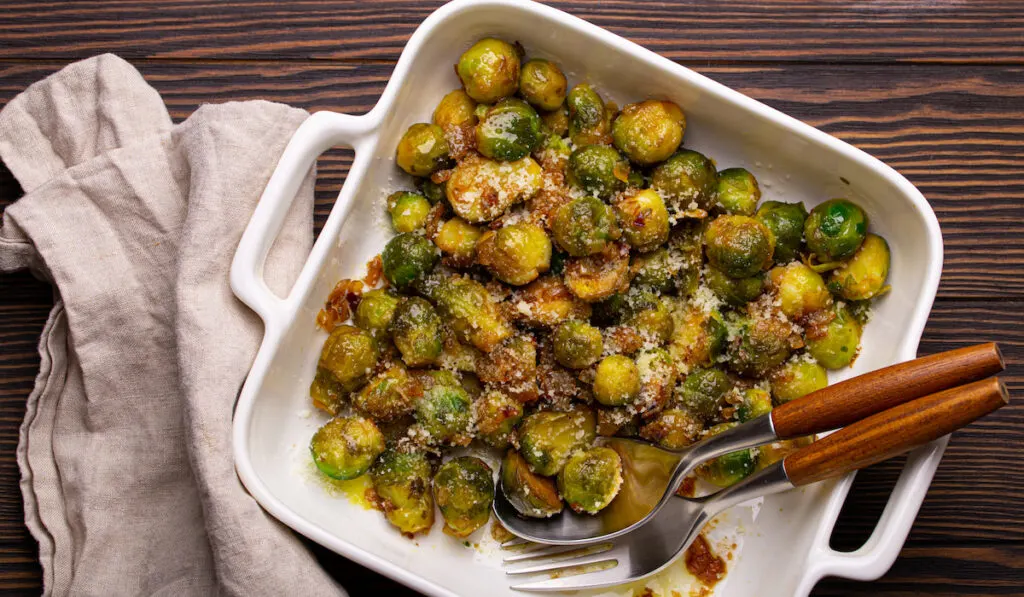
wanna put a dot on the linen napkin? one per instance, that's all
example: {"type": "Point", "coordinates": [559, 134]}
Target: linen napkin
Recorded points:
{"type": "Point", "coordinates": [125, 451]}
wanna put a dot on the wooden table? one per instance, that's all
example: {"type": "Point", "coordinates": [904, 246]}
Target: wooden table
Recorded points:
{"type": "Point", "coordinates": [936, 89]}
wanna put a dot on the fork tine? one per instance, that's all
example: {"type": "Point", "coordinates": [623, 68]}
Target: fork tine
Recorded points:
{"type": "Point", "coordinates": [551, 550]}
{"type": "Point", "coordinates": [597, 555]}
{"type": "Point", "coordinates": [514, 542]}
{"type": "Point", "coordinates": [602, 578]}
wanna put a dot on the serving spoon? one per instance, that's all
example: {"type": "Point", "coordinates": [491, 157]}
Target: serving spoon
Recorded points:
{"type": "Point", "coordinates": [651, 475]}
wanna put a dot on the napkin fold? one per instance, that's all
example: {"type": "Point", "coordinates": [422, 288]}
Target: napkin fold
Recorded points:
{"type": "Point", "coordinates": [125, 451]}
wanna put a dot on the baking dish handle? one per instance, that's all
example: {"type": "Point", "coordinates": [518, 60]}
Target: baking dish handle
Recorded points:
{"type": "Point", "coordinates": [320, 132]}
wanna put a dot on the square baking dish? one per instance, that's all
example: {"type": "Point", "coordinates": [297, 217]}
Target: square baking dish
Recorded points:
{"type": "Point", "coordinates": [789, 540]}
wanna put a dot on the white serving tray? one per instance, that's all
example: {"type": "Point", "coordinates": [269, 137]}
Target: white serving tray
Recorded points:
{"type": "Point", "coordinates": [785, 550]}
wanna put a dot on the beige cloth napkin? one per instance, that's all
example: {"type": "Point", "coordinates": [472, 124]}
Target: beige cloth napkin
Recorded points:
{"type": "Point", "coordinates": [125, 450]}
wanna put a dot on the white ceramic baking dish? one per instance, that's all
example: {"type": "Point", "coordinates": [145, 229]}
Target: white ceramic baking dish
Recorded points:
{"type": "Point", "coordinates": [786, 551]}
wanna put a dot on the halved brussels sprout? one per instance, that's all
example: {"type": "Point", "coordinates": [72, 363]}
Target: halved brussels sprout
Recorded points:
{"type": "Point", "coordinates": [698, 336]}
{"type": "Point", "coordinates": [464, 490]}
{"type": "Point", "coordinates": [402, 482]}
{"type": "Point", "coordinates": [516, 254]}
{"type": "Point", "coordinates": [444, 413]}
{"type": "Point", "coordinates": [644, 220]}
{"type": "Point", "coordinates": [863, 276]}
{"type": "Point", "coordinates": [591, 479]}
{"type": "Point", "coordinates": [702, 391]}
{"type": "Point", "coordinates": [738, 192]}
{"type": "Point", "coordinates": [836, 344]}
{"type": "Point", "coordinates": [327, 394]}
{"type": "Point", "coordinates": [649, 132]}
{"type": "Point", "coordinates": [509, 131]}
{"type": "Point", "coordinates": [786, 222]}
{"type": "Point", "coordinates": [345, 447]}
{"type": "Point", "coordinates": [738, 246]}
{"type": "Point", "coordinates": [835, 229]}
{"type": "Point", "coordinates": [617, 420]}
{"type": "Point", "coordinates": [553, 154]}
{"type": "Point", "coordinates": [672, 429]}
{"type": "Point", "coordinates": [760, 343]}
{"type": "Point", "coordinates": [407, 258]}
{"type": "Point", "coordinates": [728, 469]}
{"type": "Point", "coordinates": [734, 291]}
{"type": "Point", "coordinates": [471, 313]}
{"type": "Point", "coordinates": [548, 438]}
{"type": "Point", "coordinates": [649, 315]}
{"type": "Point", "coordinates": [348, 355]}
{"type": "Point", "coordinates": [408, 211]}
{"type": "Point", "coordinates": [542, 84]}
{"type": "Point", "coordinates": [457, 239]}
{"type": "Point", "coordinates": [423, 150]}
{"type": "Point", "coordinates": [497, 415]}
{"type": "Point", "coordinates": [489, 70]}
{"type": "Point", "coordinates": [389, 395]}
{"type": "Point", "coordinates": [375, 310]}
{"type": "Point", "coordinates": [433, 191]}
{"type": "Point", "coordinates": [512, 365]}
{"type": "Point", "coordinates": [655, 270]}
{"type": "Point", "coordinates": [658, 377]}
{"type": "Point", "coordinates": [546, 302]}
{"type": "Point", "coordinates": [686, 246]}
{"type": "Point", "coordinates": [584, 226]}
{"type": "Point", "coordinates": [616, 381]}
{"type": "Point", "coordinates": [598, 170]}
{"type": "Point", "coordinates": [799, 289]}
{"type": "Point", "coordinates": [529, 493]}
{"type": "Point", "coordinates": [755, 402]}
{"type": "Point", "coordinates": [416, 332]}
{"type": "Point", "coordinates": [796, 378]}
{"type": "Point", "coordinates": [599, 276]}
{"type": "Point", "coordinates": [577, 344]}
{"type": "Point", "coordinates": [455, 110]}
{"type": "Point", "coordinates": [557, 120]}
{"type": "Point", "coordinates": [588, 120]}
{"type": "Point", "coordinates": [687, 180]}
{"type": "Point", "coordinates": [481, 189]}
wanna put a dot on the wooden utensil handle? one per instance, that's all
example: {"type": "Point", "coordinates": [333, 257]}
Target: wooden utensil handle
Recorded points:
{"type": "Point", "coordinates": [895, 431]}
{"type": "Point", "coordinates": [851, 400]}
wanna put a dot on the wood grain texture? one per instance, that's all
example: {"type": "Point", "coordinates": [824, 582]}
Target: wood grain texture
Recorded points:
{"type": "Point", "coordinates": [935, 89]}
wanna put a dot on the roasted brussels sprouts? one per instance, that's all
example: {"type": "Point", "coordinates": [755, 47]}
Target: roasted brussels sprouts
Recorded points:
{"type": "Point", "coordinates": [423, 150]}
{"type": "Point", "coordinates": [599, 276]}
{"type": "Point", "coordinates": [327, 394]}
{"type": "Point", "coordinates": [481, 189]}
{"type": "Point", "coordinates": [728, 469]}
{"type": "Point", "coordinates": [686, 246]}
{"type": "Point", "coordinates": [556, 121]}
{"type": "Point", "coordinates": [588, 120]}
{"type": "Point", "coordinates": [349, 353]}
{"type": "Point", "coordinates": [796, 378]}
{"type": "Point", "coordinates": [672, 429]}
{"type": "Point", "coordinates": [516, 254]}
{"type": "Point", "coordinates": [433, 191]}
{"type": "Point", "coordinates": [546, 302]}
{"type": "Point", "coordinates": [649, 132]}
{"type": "Point", "coordinates": [542, 84]}
{"type": "Point", "coordinates": [489, 70]}
{"type": "Point", "coordinates": [698, 336]}
{"type": "Point", "coordinates": [734, 291]}
{"type": "Point", "coordinates": [584, 227]}
{"type": "Point", "coordinates": [529, 493]}
{"type": "Point", "coordinates": [835, 229]}
{"type": "Point", "coordinates": [644, 220]}
{"type": "Point", "coordinates": [497, 415]}
{"type": "Point", "coordinates": [416, 332]}
{"type": "Point", "coordinates": [754, 403]}
{"type": "Point", "coordinates": [457, 239]}
{"type": "Point", "coordinates": [509, 131]}
{"type": "Point", "coordinates": [389, 395]}
{"type": "Point", "coordinates": [375, 311]}
{"type": "Point", "coordinates": [591, 479]}
{"type": "Point", "coordinates": [444, 413]}
{"type": "Point", "coordinates": [655, 270]}
{"type": "Point", "coordinates": [616, 381]}
{"type": "Point", "coordinates": [455, 110]}
{"type": "Point", "coordinates": [836, 344]}
{"type": "Point", "coordinates": [702, 391]}
{"type": "Point", "coordinates": [649, 315]}
{"type": "Point", "coordinates": [863, 275]}
{"type": "Point", "coordinates": [738, 192]}
{"type": "Point", "coordinates": [760, 343]}
{"type": "Point", "coordinates": [407, 258]}
{"type": "Point", "coordinates": [658, 377]}
{"type": "Point", "coordinates": [738, 246]}
{"type": "Point", "coordinates": [402, 482]}
{"type": "Point", "coordinates": [548, 438]}
{"type": "Point", "coordinates": [468, 308]}
{"type": "Point", "coordinates": [598, 170]}
{"type": "Point", "coordinates": [577, 344]}
{"type": "Point", "coordinates": [512, 365]}
{"type": "Point", "coordinates": [786, 222]}
{"type": "Point", "coordinates": [799, 289]}
{"type": "Point", "coordinates": [345, 447]}
{"type": "Point", "coordinates": [687, 180]}
{"type": "Point", "coordinates": [464, 490]}
{"type": "Point", "coordinates": [408, 211]}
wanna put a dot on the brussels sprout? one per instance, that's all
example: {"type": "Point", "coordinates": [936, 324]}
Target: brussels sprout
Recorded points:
{"type": "Point", "coordinates": [796, 378]}
{"type": "Point", "coordinates": [456, 356]}
{"type": "Point", "coordinates": [835, 229]}
{"type": "Point", "coordinates": [702, 391]}
{"type": "Point", "coordinates": [480, 189]}
{"type": "Point", "coordinates": [408, 211]}
{"type": "Point", "coordinates": [755, 402]}
{"type": "Point", "coordinates": [698, 336]}
{"type": "Point", "coordinates": [406, 258]}
{"type": "Point", "coordinates": [349, 353]}
{"type": "Point", "coordinates": [464, 490]}
{"type": "Point", "coordinates": [591, 479]}
{"type": "Point", "coordinates": [728, 469]}
{"type": "Point", "coordinates": [553, 153]}
{"type": "Point", "coordinates": [345, 447]}
{"type": "Point", "coordinates": [557, 120]}
{"type": "Point", "coordinates": [577, 344]}
{"type": "Point", "coordinates": [402, 482]}
{"type": "Point", "coordinates": [423, 150]}
{"type": "Point", "coordinates": [542, 84]}
{"type": "Point", "coordinates": [654, 270]}
{"type": "Point", "coordinates": [616, 381]}
{"type": "Point", "coordinates": [734, 291]}
{"type": "Point", "coordinates": [327, 394]}
{"type": "Point", "coordinates": [649, 132]}
{"type": "Point", "coordinates": [760, 344]}
{"type": "Point", "coordinates": [836, 344]}
{"type": "Point", "coordinates": [599, 276]}
{"type": "Point", "coordinates": [863, 276]}
{"type": "Point", "coordinates": [588, 119]}
{"type": "Point", "coordinates": [455, 110]}
{"type": "Point", "coordinates": [467, 307]}
{"type": "Point", "coordinates": [516, 254]}
{"type": "Point", "coordinates": [672, 429]}
{"type": "Point", "coordinates": [433, 191]}
{"type": "Point", "coordinates": [489, 70]}
{"type": "Point", "coordinates": [546, 302]}
{"type": "Point", "coordinates": [389, 395]}
{"type": "Point", "coordinates": [800, 289]}
{"type": "Point", "coordinates": [529, 493]}
{"type": "Point", "coordinates": [416, 332]}
{"type": "Point", "coordinates": [687, 180]}
{"type": "Point", "coordinates": [598, 170]}
{"type": "Point", "coordinates": [497, 415]}
{"type": "Point", "coordinates": [649, 315]}
{"type": "Point", "coordinates": [617, 420]}
{"type": "Point", "coordinates": [769, 454]}
{"type": "Point", "coordinates": [644, 220]}
{"type": "Point", "coordinates": [547, 438]}
{"type": "Point", "coordinates": [375, 310]}
{"type": "Point", "coordinates": [738, 192]}
{"type": "Point", "coordinates": [513, 366]}
{"type": "Point", "coordinates": [786, 222]}
{"type": "Point", "coordinates": [444, 413]}
{"type": "Point", "coordinates": [738, 246]}
{"type": "Point", "coordinates": [658, 376]}
{"type": "Point", "coordinates": [686, 247]}
{"type": "Point", "coordinates": [584, 227]}
{"type": "Point", "coordinates": [509, 131]}
{"type": "Point", "coordinates": [457, 239]}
